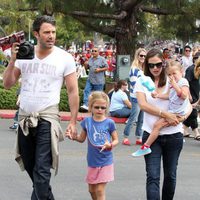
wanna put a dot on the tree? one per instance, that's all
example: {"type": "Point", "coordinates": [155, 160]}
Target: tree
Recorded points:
{"type": "Point", "coordinates": [120, 19]}
{"type": "Point", "coordinates": [123, 20]}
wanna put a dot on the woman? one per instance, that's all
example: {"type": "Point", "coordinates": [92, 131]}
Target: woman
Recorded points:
{"type": "Point", "coordinates": [169, 143]}
{"type": "Point", "coordinates": [136, 116]}
{"type": "Point", "coordinates": [120, 106]}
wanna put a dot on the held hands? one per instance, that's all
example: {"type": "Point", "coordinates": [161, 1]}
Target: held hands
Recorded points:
{"type": "Point", "coordinates": [71, 132]}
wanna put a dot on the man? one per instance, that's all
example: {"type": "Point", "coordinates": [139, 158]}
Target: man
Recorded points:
{"type": "Point", "coordinates": [96, 79]}
{"type": "Point", "coordinates": [166, 54]}
{"type": "Point", "coordinates": [41, 81]}
{"type": "Point", "coordinates": [186, 58]}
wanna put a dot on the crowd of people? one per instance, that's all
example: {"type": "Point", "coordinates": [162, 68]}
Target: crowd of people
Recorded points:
{"type": "Point", "coordinates": [160, 97]}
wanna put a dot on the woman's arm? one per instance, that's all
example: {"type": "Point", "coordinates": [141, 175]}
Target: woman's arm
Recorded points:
{"type": "Point", "coordinates": [128, 103]}
{"type": "Point", "coordinates": [153, 110]}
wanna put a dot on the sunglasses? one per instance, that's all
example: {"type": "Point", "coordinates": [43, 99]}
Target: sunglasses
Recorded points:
{"type": "Point", "coordinates": [94, 51]}
{"type": "Point", "coordinates": [100, 107]}
{"type": "Point", "coordinates": [142, 56]}
{"type": "Point", "coordinates": [152, 65]}
{"type": "Point", "coordinates": [187, 50]}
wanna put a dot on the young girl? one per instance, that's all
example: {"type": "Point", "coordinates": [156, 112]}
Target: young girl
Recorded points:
{"type": "Point", "coordinates": [101, 135]}
{"type": "Point", "coordinates": [179, 104]}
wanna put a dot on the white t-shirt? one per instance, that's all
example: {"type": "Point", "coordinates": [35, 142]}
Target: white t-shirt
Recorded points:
{"type": "Point", "coordinates": [186, 62]}
{"type": "Point", "coordinates": [42, 79]}
{"type": "Point", "coordinates": [117, 100]}
{"type": "Point", "coordinates": [177, 104]}
{"type": "Point", "coordinates": [149, 119]}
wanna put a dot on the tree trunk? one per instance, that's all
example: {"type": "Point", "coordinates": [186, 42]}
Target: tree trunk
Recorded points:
{"type": "Point", "coordinates": [125, 36]}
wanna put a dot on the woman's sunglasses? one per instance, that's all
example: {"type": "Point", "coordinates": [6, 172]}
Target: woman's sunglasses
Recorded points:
{"type": "Point", "coordinates": [100, 107]}
{"type": "Point", "coordinates": [152, 65]}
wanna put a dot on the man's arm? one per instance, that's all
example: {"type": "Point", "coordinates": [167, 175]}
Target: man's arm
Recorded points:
{"type": "Point", "coordinates": [73, 99]}
{"type": "Point", "coordinates": [11, 73]}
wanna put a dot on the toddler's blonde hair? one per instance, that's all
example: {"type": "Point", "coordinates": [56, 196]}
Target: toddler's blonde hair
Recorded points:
{"type": "Point", "coordinates": [98, 95]}
{"type": "Point", "coordinates": [174, 64]}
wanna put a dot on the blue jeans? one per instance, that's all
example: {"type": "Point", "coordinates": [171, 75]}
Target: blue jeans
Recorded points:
{"type": "Point", "coordinates": [124, 112]}
{"type": "Point", "coordinates": [89, 87]}
{"type": "Point", "coordinates": [167, 148]}
{"type": "Point", "coordinates": [136, 117]}
{"type": "Point", "coordinates": [35, 150]}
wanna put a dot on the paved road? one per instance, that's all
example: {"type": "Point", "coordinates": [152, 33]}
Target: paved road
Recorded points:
{"type": "Point", "coordinates": [69, 184]}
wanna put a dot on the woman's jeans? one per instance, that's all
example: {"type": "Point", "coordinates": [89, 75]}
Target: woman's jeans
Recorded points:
{"type": "Point", "coordinates": [124, 112]}
{"type": "Point", "coordinates": [89, 87]}
{"type": "Point", "coordinates": [35, 150]}
{"type": "Point", "coordinates": [136, 117]}
{"type": "Point", "coordinates": [167, 147]}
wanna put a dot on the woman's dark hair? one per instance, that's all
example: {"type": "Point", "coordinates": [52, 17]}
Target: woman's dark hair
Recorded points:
{"type": "Point", "coordinates": [163, 77]}
{"type": "Point", "coordinates": [43, 19]}
{"type": "Point", "coordinates": [119, 84]}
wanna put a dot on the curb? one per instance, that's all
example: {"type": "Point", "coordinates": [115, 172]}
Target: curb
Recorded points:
{"type": "Point", "coordinates": [64, 117]}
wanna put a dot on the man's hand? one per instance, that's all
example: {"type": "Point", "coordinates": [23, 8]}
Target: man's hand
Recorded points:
{"type": "Point", "coordinates": [14, 51]}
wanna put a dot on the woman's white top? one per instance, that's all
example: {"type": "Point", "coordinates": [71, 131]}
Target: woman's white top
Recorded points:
{"type": "Point", "coordinates": [149, 119]}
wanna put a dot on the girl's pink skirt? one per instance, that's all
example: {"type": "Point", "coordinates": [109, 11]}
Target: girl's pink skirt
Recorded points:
{"type": "Point", "coordinates": [97, 175]}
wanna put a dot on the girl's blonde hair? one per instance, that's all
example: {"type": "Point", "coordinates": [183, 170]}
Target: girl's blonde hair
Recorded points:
{"type": "Point", "coordinates": [98, 95]}
{"type": "Point", "coordinates": [196, 70]}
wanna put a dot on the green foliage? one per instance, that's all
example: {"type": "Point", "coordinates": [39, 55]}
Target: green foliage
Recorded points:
{"type": "Point", "coordinates": [8, 98]}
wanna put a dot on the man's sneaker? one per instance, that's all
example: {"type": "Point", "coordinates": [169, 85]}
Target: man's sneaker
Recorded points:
{"type": "Point", "coordinates": [126, 142]}
{"type": "Point", "coordinates": [141, 152]}
{"type": "Point", "coordinates": [14, 126]}
{"type": "Point", "coordinates": [84, 107]}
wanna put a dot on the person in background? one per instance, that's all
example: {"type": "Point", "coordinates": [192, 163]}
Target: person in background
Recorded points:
{"type": "Point", "coordinates": [167, 147]}
{"type": "Point", "coordinates": [96, 78]}
{"type": "Point", "coordinates": [136, 115]}
{"type": "Point", "coordinates": [187, 57]}
{"type": "Point", "coordinates": [39, 128]}
{"type": "Point", "coordinates": [120, 106]}
{"type": "Point", "coordinates": [193, 75]}
{"type": "Point", "coordinates": [102, 137]}
{"type": "Point", "coordinates": [166, 54]}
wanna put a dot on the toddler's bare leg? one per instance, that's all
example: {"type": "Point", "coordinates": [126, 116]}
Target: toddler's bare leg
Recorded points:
{"type": "Point", "coordinates": [155, 132]}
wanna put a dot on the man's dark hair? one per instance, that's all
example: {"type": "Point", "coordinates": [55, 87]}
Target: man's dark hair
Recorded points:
{"type": "Point", "coordinates": [187, 46]}
{"type": "Point", "coordinates": [165, 49]}
{"type": "Point", "coordinates": [43, 19]}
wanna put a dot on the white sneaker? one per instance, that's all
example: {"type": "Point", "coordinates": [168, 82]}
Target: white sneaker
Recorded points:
{"type": "Point", "coordinates": [84, 107]}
